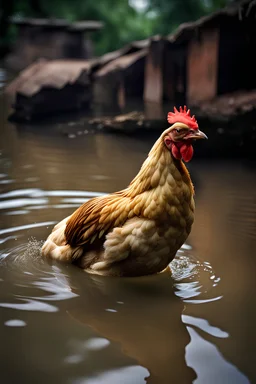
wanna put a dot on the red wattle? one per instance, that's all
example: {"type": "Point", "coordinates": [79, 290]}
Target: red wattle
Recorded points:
{"type": "Point", "coordinates": [186, 152]}
{"type": "Point", "coordinates": [182, 151]}
{"type": "Point", "coordinates": [176, 152]}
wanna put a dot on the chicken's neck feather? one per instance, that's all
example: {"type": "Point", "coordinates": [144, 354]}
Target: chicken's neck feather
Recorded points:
{"type": "Point", "coordinates": [159, 170]}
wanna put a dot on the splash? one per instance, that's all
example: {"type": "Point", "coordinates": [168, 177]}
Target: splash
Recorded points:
{"type": "Point", "coordinates": [193, 278]}
{"type": "Point", "coordinates": [23, 256]}
{"type": "Point", "coordinates": [33, 249]}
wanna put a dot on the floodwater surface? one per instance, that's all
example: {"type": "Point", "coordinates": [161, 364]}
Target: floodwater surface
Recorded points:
{"type": "Point", "coordinates": [61, 325]}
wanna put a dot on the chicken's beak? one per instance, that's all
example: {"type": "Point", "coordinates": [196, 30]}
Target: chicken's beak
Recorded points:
{"type": "Point", "coordinates": [197, 134]}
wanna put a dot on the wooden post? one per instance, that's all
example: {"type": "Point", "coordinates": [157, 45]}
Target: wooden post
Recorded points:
{"type": "Point", "coordinates": [202, 66]}
{"type": "Point", "coordinates": [153, 90]}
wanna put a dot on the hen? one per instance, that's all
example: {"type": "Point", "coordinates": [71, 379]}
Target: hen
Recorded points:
{"type": "Point", "coordinates": [138, 230]}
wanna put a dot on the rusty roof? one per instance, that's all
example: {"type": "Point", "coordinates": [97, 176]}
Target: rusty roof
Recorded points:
{"type": "Point", "coordinates": [121, 62]}
{"type": "Point", "coordinates": [44, 73]}
{"type": "Point", "coordinates": [132, 47]}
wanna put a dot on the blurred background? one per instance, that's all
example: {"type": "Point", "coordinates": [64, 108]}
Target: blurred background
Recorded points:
{"type": "Point", "coordinates": [130, 56]}
{"type": "Point", "coordinates": [124, 21]}
{"type": "Point", "coordinates": [85, 87]}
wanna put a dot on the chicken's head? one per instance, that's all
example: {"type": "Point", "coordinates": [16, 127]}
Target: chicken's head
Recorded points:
{"type": "Point", "coordinates": [183, 131]}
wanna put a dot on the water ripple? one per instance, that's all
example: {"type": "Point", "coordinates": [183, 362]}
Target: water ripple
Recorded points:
{"type": "Point", "coordinates": [27, 226]}
{"type": "Point", "coordinates": [15, 323]}
{"type": "Point", "coordinates": [36, 192]}
{"type": "Point", "coordinates": [30, 305]}
{"type": "Point", "coordinates": [204, 325]}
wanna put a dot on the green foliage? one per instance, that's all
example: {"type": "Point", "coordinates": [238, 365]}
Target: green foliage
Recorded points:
{"type": "Point", "coordinates": [123, 21]}
{"type": "Point", "coordinates": [171, 13]}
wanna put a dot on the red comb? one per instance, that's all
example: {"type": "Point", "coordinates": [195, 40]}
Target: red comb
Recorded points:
{"type": "Point", "coordinates": [182, 116]}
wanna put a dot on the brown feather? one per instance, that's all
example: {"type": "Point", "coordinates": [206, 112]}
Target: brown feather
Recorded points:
{"type": "Point", "coordinates": [95, 217]}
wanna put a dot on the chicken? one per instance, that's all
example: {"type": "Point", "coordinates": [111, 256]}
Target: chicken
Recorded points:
{"type": "Point", "coordinates": [136, 231]}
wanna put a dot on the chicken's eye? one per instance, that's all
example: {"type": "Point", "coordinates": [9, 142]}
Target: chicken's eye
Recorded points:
{"type": "Point", "coordinates": [177, 130]}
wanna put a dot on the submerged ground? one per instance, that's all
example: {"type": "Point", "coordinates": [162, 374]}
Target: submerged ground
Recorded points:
{"type": "Point", "coordinates": [59, 324]}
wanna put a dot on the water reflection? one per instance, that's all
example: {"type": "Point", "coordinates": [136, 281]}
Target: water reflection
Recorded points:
{"type": "Point", "coordinates": [197, 325]}
{"type": "Point", "coordinates": [15, 323]}
{"type": "Point", "coordinates": [145, 318]}
{"type": "Point", "coordinates": [143, 315]}
{"type": "Point", "coordinates": [198, 354]}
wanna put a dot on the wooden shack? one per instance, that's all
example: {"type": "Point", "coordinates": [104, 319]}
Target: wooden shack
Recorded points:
{"type": "Point", "coordinates": [50, 86]}
{"type": "Point", "coordinates": [204, 59]}
{"type": "Point", "coordinates": [120, 80]}
{"type": "Point", "coordinates": [197, 65]}
{"type": "Point", "coordinates": [165, 73]}
{"type": "Point", "coordinates": [50, 39]}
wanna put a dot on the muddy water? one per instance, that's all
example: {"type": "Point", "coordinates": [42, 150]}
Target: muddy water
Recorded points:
{"type": "Point", "coordinates": [60, 325]}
